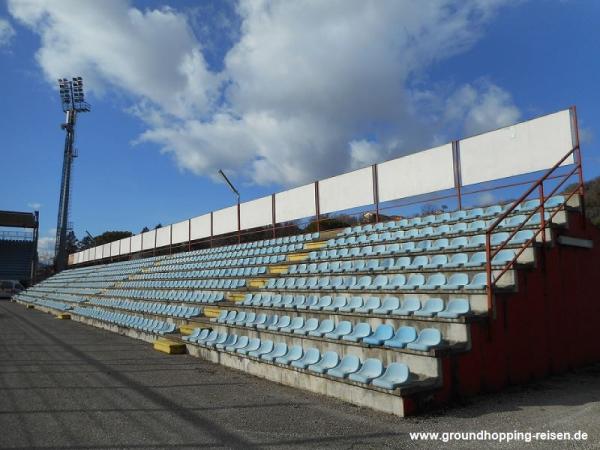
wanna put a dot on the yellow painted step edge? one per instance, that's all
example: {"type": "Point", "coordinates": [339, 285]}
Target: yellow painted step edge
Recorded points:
{"type": "Point", "coordinates": [169, 347]}
{"type": "Point", "coordinates": [63, 316]}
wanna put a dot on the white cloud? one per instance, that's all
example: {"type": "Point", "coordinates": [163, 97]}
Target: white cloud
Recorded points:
{"type": "Point", "coordinates": [7, 32]}
{"type": "Point", "coordinates": [46, 246]}
{"type": "Point", "coordinates": [310, 88]}
{"type": "Point", "coordinates": [35, 205]}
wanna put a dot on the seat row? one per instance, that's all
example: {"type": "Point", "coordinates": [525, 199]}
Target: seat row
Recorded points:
{"type": "Point", "coordinates": [43, 302]}
{"type": "Point", "coordinates": [383, 335]}
{"type": "Point", "coordinates": [458, 280]}
{"type": "Point", "coordinates": [222, 283]}
{"type": "Point", "coordinates": [206, 273]}
{"type": "Point", "coordinates": [228, 253]}
{"type": "Point", "coordinates": [390, 305]}
{"type": "Point", "coordinates": [217, 263]}
{"type": "Point", "coordinates": [169, 295]}
{"type": "Point", "coordinates": [186, 312]}
{"type": "Point", "coordinates": [456, 216]}
{"type": "Point", "coordinates": [128, 321]}
{"type": "Point", "coordinates": [427, 245]}
{"type": "Point", "coordinates": [349, 367]}
{"type": "Point", "coordinates": [438, 261]}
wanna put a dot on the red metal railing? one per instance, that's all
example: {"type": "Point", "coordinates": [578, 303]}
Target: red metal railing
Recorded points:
{"type": "Point", "coordinates": [541, 210]}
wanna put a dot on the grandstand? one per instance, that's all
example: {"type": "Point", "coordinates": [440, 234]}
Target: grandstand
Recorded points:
{"type": "Point", "coordinates": [396, 315]}
{"type": "Point", "coordinates": [18, 250]}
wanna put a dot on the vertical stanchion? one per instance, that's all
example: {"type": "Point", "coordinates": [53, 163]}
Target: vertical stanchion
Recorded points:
{"type": "Point", "coordinates": [542, 211]}
{"type": "Point", "coordinates": [457, 174]}
{"type": "Point", "coordinates": [317, 206]}
{"type": "Point", "coordinates": [376, 192]}
{"type": "Point", "coordinates": [273, 215]}
{"type": "Point", "coordinates": [488, 269]}
{"type": "Point", "coordinates": [239, 221]}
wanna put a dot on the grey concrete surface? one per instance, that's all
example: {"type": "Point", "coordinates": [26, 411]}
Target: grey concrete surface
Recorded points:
{"type": "Point", "coordinates": [65, 385]}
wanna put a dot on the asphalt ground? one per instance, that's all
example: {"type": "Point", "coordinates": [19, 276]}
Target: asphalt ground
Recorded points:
{"type": "Point", "coordinates": [66, 385]}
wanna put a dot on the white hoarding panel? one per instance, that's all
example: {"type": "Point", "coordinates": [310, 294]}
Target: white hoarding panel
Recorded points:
{"type": "Point", "coordinates": [256, 213]}
{"type": "Point", "coordinates": [225, 220]}
{"type": "Point", "coordinates": [98, 252]}
{"type": "Point", "coordinates": [295, 203]}
{"type": "Point", "coordinates": [148, 239]}
{"type": "Point", "coordinates": [125, 246]}
{"type": "Point", "coordinates": [136, 243]}
{"type": "Point", "coordinates": [71, 259]}
{"type": "Point", "coordinates": [181, 232]}
{"type": "Point", "coordinates": [106, 251]}
{"type": "Point", "coordinates": [346, 191]}
{"type": "Point", "coordinates": [163, 236]}
{"type": "Point", "coordinates": [200, 227]}
{"type": "Point", "coordinates": [419, 173]}
{"type": "Point", "coordinates": [523, 148]}
{"type": "Point", "coordinates": [114, 248]}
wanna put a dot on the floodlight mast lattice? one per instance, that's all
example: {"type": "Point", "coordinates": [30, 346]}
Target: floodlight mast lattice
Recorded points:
{"type": "Point", "coordinates": [73, 102]}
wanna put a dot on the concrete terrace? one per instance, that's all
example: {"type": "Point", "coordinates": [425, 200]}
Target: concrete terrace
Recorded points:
{"type": "Point", "coordinates": [66, 385]}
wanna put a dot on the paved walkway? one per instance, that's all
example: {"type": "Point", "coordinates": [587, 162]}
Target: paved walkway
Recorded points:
{"type": "Point", "coordinates": [66, 385]}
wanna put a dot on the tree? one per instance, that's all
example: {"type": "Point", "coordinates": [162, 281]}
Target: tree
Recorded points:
{"type": "Point", "coordinates": [72, 242]}
{"type": "Point", "coordinates": [144, 230]}
{"type": "Point", "coordinates": [592, 199]}
{"type": "Point", "coordinates": [104, 238]}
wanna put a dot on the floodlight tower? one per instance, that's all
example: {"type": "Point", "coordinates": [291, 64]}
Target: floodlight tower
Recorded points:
{"type": "Point", "coordinates": [73, 102]}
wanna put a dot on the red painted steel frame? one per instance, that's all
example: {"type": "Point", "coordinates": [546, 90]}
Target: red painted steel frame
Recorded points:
{"type": "Point", "coordinates": [539, 185]}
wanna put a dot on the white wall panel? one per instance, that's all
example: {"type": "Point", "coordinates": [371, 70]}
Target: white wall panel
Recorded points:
{"type": "Point", "coordinates": [181, 232]}
{"type": "Point", "coordinates": [256, 213]}
{"type": "Point", "coordinates": [200, 227]}
{"type": "Point", "coordinates": [148, 240]}
{"type": "Point", "coordinates": [98, 252]}
{"type": "Point", "coordinates": [163, 236]}
{"type": "Point", "coordinates": [225, 220]}
{"type": "Point", "coordinates": [136, 243]}
{"type": "Point", "coordinates": [419, 173]}
{"type": "Point", "coordinates": [84, 256]}
{"type": "Point", "coordinates": [295, 203]}
{"type": "Point", "coordinates": [346, 191]}
{"type": "Point", "coordinates": [125, 246]}
{"type": "Point", "coordinates": [114, 248]}
{"type": "Point", "coordinates": [106, 250]}
{"type": "Point", "coordinates": [523, 148]}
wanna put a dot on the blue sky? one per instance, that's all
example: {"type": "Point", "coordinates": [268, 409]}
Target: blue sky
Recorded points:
{"type": "Point", "coordinates": [277, 94]}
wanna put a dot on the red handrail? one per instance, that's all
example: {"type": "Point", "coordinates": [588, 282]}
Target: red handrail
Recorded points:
{"type": "Point", "coordinates": [539, 185]}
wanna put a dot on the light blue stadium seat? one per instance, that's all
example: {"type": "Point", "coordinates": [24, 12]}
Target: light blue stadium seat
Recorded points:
{"type": "Point", "coordinates": [231, 340]}
{"type": "Point", "coordinates": [360, 331]}
{"type": "Point", "coordinates": [328, 361]}
{"type": "Point", "coordinates": [426, 340]}
{"type": "Point", "coordinates": [309, 325]}
{"type": "Point", "coordinates": [382, 333]}
{"type": "Point", "coordinates": [522, 236]}
{"type": "Point", "coordinates": [311, 356]}
{"type": "Point", "coordinates": [341, 329]}
{"type": "Point", "coordinates": [436, 262]}
{"type": "Point", "coordinates": [322, 302]}
{"type": "Point", "coordinates": [337, 303]}
{"type": "Point", "coordinates": [241, 342]}
{"type": "Point", "coordinates": [348, 365]}
{"type": "Point", "coordinates": [388, 305]}
{"type": "Point", "coordinates": [294, 353]}
{"type": "Point", "coordinates": [401, 263]}
{"type": "Point", "coordinates": [266, 346]}
{"type": "Point", "coordinates": [298, 301]}
{"type": "Point", "coordinates": [395, 282]}
{"type": "Point", "coordinates": [477, 259]}
{"type": "Point", "coordinates": [221, 317]}
{"type": "Point", "coordinates": [286, 301]}
{"type": "Point", "coordinates": [456, 281]}
{"type": "Point", "coordinates": [403, 336]}
{"type": "Point", "coordinates": [455, 308]}
{"type": "Point", "coordinates": [386, 264]}
{"type": "Point", "coordinates": [221, 337]}
{"type": "Point", "coordinates": [409, 305]}
{"type": "Point", "coordinates": [275, 300]}
{"type": "Point", "coordinates": [271, 320]}
{"type": "Point", "coordinates": [434, 281]}
{"type": "Point", "coordinates": [311, 300]}
{"type": "Point", "coordinates": [197, 332]}
{"type": "Point", "coordinates": [528, 205]}
{"type": "Point", "coordinates": [372, 368]}
{"type": "Point", "coordinates": [414, 281]}
{"type": "Point", "coordinates": [283, 322]}
{"type": "Point", "coordinates": [431, 307]}
{"type": "Point", "coordinates": [396, 374]}
{"type": "Point", "coordinates": [239, 318]}
{"type": "Point", "coordinates": [278, 351]}
{"type": "Point", "coordinates": [325, 326]}
{"type": "Point", "coordinates": [369, 304]}
{"type": "Point", "coordinates": [260, 318]}
{"type": "Point", "coordinates": [503, 257]}
{"type": "Point", "coordinates": [418, 262]}
{"type": "Point", "coordinates": [458, 243]}
{"type": "Point", "coordinates": [295, 324]}
{"type": "Point", "coordinates": [479, 281]}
